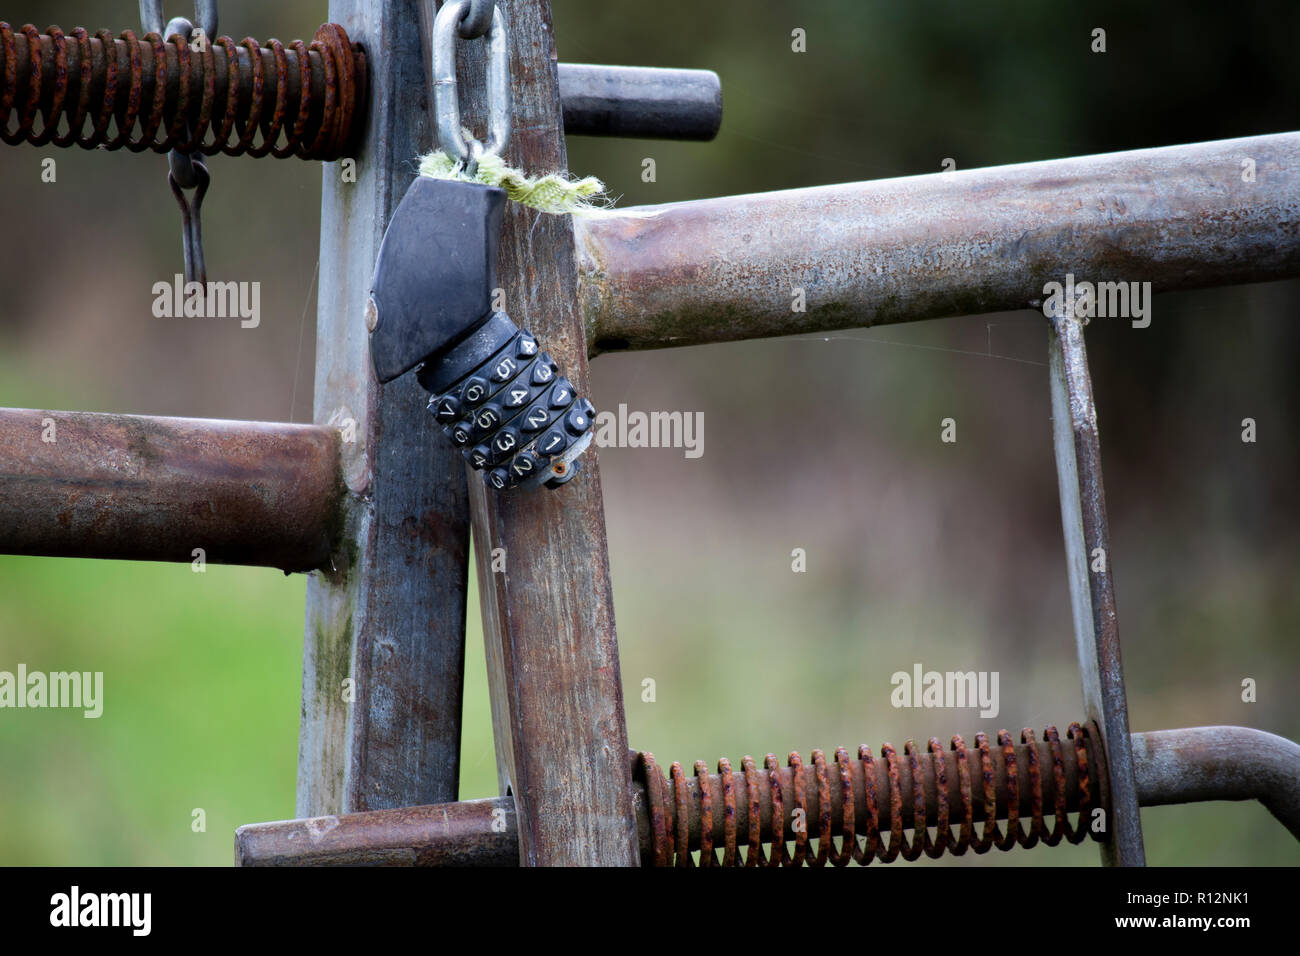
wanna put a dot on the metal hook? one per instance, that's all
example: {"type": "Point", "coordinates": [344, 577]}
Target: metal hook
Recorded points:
{"type": "Point", "coordinates": [191, 227]}
{"type": "Point", "coordinates": [476, 20]}
{"type": "Point", "coordinates": [186, 171]}
{"type": "Point", "coordinates": [205, 15]}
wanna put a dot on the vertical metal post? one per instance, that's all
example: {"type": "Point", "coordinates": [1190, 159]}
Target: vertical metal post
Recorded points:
{"type": "Point", "coordinates": [390, 616]}
{"type": "Point", "coordinates": [548, 618]}
{"type": "Point", "coordinates": [1092, 597]}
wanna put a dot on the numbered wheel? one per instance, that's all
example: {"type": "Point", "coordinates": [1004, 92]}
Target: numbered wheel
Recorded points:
{"type": "Point", "coordinates": [507, 405]}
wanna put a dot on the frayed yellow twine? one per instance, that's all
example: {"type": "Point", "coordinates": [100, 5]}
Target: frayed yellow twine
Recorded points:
{"type": "Point", "coordinates": [551, 193]}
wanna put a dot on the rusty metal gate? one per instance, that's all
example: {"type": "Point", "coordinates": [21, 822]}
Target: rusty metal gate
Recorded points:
{"type": "Point", "coordinates": [373, 501]}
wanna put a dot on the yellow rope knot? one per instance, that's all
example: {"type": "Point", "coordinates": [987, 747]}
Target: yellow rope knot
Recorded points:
{"type": "Point", "coordinates": [551, 193]}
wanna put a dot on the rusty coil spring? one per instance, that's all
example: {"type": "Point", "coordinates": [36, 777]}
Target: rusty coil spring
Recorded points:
{"type": "Point", "coordinates": [680, 822]}
{"type": "Point", "coordinates": [187, 103]}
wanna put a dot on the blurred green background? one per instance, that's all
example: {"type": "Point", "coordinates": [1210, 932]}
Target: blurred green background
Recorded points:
{"type": "Point", "coordinates": [948, 555]}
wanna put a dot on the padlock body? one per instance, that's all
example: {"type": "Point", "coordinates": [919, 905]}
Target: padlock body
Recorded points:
{"type": "Point", "coordinates": [435, 274]}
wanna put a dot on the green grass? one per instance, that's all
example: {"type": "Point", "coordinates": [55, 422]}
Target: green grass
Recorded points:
{"type": "Point", "coordinates": [202, 686]}
{"type": "Point", "coordinates": [201, 693]}
{"type": "Point", "coordinates": [201, 708]}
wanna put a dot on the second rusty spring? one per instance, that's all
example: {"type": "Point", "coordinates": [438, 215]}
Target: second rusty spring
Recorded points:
{"type": "Point", "coordinates": [846, 797]}
{"type": "Point", "coordinates": [300, 100]}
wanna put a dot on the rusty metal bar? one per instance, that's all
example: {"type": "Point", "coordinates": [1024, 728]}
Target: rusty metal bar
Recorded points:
{"type": "Point", "coordinates": [1088, 565]}
{"type": "Point", "coordinates": [391, 617]}
{"type": "Point", "coordinates": [485, 832]}
{"type": "Point", "coordinates": [1219, 763]}
{"type": "Point", "coordinates": [1174, 766]}
{"type": "Point", "coordinates": [89, 485]}
{"type": "Point", "coordinates": [598, 100]}
{"type": "Point", "coordinates": [470, 833]}
{"type": "Point", "coordinates": [548, 619]}
{"type": "Point", "coordinates": [923, 247]}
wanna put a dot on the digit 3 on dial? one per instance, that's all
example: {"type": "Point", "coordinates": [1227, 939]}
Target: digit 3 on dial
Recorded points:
{"type": "Point", "coordinates": [512, 414]}
{"type": "Point", "coordinates": [500, 399]}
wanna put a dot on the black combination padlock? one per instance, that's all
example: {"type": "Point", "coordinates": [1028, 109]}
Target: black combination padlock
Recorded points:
{"type": "Point", "coordinates": [499, 396]}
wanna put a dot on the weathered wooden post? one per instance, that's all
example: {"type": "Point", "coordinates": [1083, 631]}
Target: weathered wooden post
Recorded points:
{"type": "Point", "coordinates": [548, 618]}
{"type": "Point", "coordinates": [390, 615]}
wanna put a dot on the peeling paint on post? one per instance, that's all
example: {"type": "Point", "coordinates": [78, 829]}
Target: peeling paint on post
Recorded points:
{"type": "Point", "coordinates": [390, 614]}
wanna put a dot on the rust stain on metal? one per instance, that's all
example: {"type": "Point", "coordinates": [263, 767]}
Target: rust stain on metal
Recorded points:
{"type": "Point", "coordinates": [755, 837]}
{"type": "Point", "coordinates": [184, 90]}
{"type": "Point", "coordinates": [433, 530]}
{"type": "Point", "coordinates": [470, 833]}
{"type": "Point", "coordinates": [923, 247]}
{"type": "Point", "coordinates": [922, 791]}
{"type": "Point", "coordinates": [848, 842]}
{"type": "Point", "coordinates": [1219, 763]}
{"type": "Point", "coordinates": [1174, 766]}
{"type": "Point", "coordinates": [728, 813]}
{"type": "Point", "coordinates": [155, 489]}
{"type": "Point", "coordinates": [779, 856]}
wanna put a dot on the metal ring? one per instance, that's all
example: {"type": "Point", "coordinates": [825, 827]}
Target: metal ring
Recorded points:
{"type": "Point", "coordinates": [445, 105]}
{"type": "Point", "coordinates": [205, 16]}
{"type": "Point", "coordinates": [182, 168]}
{"type": "Point", "coordinates": [477, 20]}
{"type": "Point", "coordinates": [182, 165]}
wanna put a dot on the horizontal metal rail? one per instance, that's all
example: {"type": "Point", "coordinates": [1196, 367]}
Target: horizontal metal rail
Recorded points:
{"type": "Point", "coordinates": [468, 833]}
{"type": "Point", "coordinates": [720, 269]}
{"type": "Point", "coordinates": [947, 244]}
{"type": "Point", "coordinates": [649, 102]}
{"type": "Point", "coordinates": [1219, 763]}
{"type": "Point", "coordinates": [268, 89]}
{"type": "Point", "coordinates": [439, 834]}
{"type": "Point", "coordinates": [89, 485]}
{"type": "Point", "coordinates": [1173, 766]}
